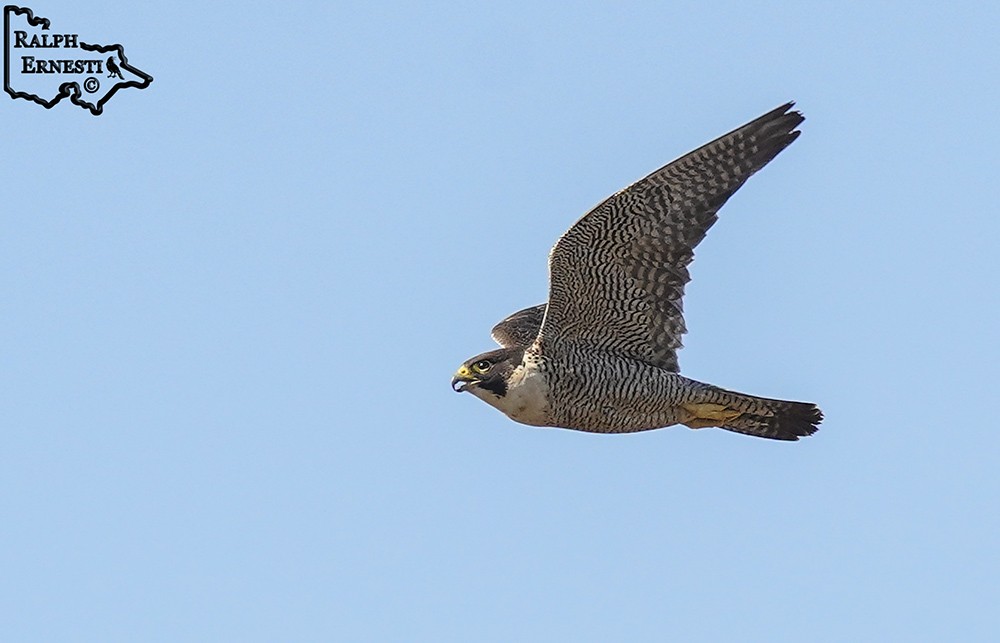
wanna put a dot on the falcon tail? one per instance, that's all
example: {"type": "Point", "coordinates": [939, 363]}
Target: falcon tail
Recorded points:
{"type": "Point", "coordinates": [759, 416]}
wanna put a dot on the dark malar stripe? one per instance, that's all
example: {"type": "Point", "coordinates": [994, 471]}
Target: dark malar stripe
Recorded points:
{"type": "Point", "coordinates": [496, 385]}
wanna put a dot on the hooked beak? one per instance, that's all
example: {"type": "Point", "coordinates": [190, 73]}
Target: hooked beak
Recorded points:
{"type": "Point", "coordinates": [462, 380]}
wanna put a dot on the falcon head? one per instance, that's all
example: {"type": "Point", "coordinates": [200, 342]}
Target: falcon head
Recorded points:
{"type": "Point", "coordinates": [487, 373]}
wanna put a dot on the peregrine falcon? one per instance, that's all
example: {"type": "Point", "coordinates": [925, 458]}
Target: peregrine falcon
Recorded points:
{"type": "Point", "coordinates": [601, 355]}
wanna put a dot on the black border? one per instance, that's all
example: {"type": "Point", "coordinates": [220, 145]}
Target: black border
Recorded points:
{"type": "Point", "coordinates": [70, 89]}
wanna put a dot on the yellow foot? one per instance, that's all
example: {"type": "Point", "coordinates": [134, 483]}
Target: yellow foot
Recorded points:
{"type": "Point", "coordinates": [700, 416]}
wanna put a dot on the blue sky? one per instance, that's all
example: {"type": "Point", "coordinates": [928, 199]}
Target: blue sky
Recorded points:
{"type": "Point", "coordinates": [233, 304]}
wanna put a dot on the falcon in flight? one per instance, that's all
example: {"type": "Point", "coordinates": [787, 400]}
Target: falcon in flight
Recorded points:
{"type": "Point", "coordinates": [601, 355]}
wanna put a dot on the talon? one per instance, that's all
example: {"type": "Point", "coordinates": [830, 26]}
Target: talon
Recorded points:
{"type": "Point", "coordinates": [701, 416]}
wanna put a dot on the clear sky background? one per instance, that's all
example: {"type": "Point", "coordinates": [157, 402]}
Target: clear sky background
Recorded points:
{"type": "Point", "coordinates": [232, 305]}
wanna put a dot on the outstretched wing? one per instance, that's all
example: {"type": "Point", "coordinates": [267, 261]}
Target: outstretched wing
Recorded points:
{"type": "Point", "coordinates": [520, 329]}
{"type": "Point", "coordinates": [617, 276]}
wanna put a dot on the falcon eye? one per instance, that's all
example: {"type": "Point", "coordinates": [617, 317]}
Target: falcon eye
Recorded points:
{"type": "Point", "coordinates": [482, 366]}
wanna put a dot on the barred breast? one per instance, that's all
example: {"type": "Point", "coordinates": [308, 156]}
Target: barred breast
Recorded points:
{"type": "Point", "coordinates": [607, 393]}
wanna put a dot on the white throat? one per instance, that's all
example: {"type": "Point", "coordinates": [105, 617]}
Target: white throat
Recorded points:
{"type": "Point", "coordinates": [527, 399]}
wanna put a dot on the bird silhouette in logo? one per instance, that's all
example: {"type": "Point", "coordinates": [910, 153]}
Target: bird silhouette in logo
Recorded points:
{"type": "Point", "coordinates": [113, 69]}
